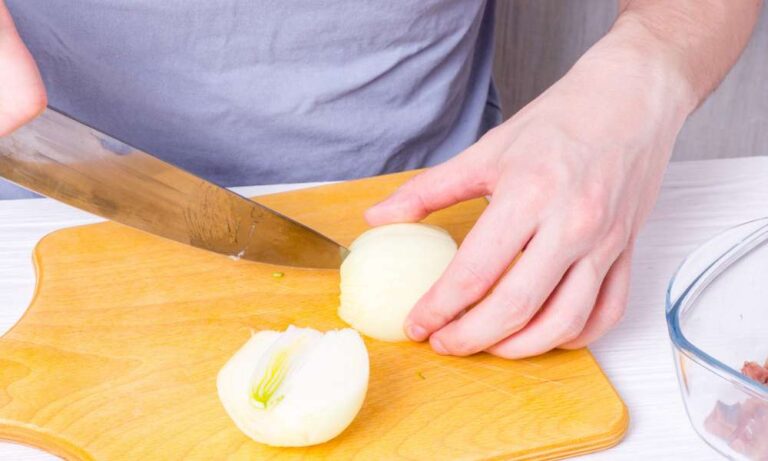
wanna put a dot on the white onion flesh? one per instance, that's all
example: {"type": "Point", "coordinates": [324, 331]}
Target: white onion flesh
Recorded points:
{"type": "Point", "coordinates": [388, 269]}
{"type": "Point", "coordinates": [295, 388]}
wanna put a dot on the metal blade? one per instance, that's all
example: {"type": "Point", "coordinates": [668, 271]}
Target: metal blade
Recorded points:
{"type": "Point", "coordinates": [61, 158]}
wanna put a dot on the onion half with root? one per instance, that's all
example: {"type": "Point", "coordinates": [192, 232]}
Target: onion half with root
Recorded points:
{"type": "Point", "coordinates": [295, 388]}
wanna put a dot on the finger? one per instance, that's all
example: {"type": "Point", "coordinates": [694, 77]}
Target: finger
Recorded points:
{"type": "Point", "coordinates": [22, 94]}
{"type": "Point", "coordinates": [565, 313]}
{"type": "Point", "coordinates": [6, 22]}
{"type": "Point", "coordinates": [512, 303]}
{"type": "Point", "coordinates": [463, 177]}
{"type": "Point", "coordinates": [487, 251]}
{"type": "Point", "coordinates": [611, 303]}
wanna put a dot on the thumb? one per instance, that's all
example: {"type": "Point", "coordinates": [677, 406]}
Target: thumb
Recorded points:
{"type": "Point", "coordinates": [461, 178]}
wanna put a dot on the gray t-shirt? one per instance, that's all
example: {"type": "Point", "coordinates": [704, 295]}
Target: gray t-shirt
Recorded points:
{"type": "Point", "coordinates": [248, 92]}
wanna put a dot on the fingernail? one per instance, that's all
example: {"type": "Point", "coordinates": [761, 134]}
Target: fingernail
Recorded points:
{"type": "Point", "coordinates": [416, 333]}
{"type": "Point", "coordinates": [438, 346]}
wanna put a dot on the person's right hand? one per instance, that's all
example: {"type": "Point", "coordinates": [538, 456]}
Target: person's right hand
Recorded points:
{"type": "Point", "coordinates": [22, 94]}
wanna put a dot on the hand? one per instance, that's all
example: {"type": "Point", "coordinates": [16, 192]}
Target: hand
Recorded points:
{"type": "Point", "coordinates": [571, 177]}
{"type": "Point", "coordinates": [22, 94]}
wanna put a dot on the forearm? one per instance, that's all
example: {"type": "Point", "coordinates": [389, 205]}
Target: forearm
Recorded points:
{"type": "Point", "coordinates": [654, 67]}
{"type": "Point", "coordinates": [702, 39]}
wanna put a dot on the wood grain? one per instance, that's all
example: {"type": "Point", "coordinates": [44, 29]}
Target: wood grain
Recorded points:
{"type": "Point", "coordinates": [117, 356]}
{"type": "Point", "coordinates": [537, 41]}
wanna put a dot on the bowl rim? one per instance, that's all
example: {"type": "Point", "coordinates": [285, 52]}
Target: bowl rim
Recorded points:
{"type": "Point", "coordinates": [689, 293]}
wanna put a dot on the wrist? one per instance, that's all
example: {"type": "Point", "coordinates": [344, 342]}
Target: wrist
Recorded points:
{"type": "Point", "coordinates": [632, 59]}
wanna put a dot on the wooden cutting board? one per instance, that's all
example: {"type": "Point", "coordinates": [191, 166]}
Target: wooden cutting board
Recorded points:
{"type": "Point", "coordinates": [116, 358]}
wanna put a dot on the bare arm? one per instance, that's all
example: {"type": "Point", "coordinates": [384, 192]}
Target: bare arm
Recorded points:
{"type": "Point", "coordinates": [704, 37]}
{"type": "Point", "coordinates": [573, 176]}
{"type": "Point", "coordinates": [22, 94]}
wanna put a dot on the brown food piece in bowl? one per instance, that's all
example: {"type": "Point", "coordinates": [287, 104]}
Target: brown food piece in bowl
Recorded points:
{"type": "Point", "coordinates": [723, 422]}
{"type": "Point", "coordinates": [743, 425]}
{"type": "Point", "coordinates": [756, 371]}
{"type": "Point", "coordinates": [751, 438]}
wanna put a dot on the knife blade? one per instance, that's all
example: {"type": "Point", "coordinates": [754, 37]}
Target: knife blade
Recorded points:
{"type": "Point", "coordinates": [63, 159]}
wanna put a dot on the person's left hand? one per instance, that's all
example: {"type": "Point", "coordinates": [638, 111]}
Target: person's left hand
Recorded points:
{"type": "Point", "coordinates": [571, 177]}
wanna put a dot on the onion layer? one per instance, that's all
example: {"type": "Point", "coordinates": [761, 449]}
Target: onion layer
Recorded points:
{"type": "Point", "coordinates": [295, 388]}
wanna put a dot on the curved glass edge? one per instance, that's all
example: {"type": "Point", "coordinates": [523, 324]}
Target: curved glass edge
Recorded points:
{"type": "Point", "coordinates": [706, 438]}
{"type": "Point", "coordinates": [733, 253]}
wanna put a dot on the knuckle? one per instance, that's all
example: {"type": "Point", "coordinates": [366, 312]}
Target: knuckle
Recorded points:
{"type": "Point", "coordinates": [622, 230]}
{"type": "Point", "coordinates": [591, 216]}
{"type": "Point", "coordinates": [516, 312]}
{"type": "Point", "coordinates": [410, 203]}
{"type": "Point", "coordinates": [620, 235]}
{"type": "Point", "coordinates": [458, 345]}
{"type": "Point", "coordinates": [412, 190]}
{"type": "Point", "coordinates": [432, 315]}
{"type": "Point", "coordinates": [480, 177]}
{"type": "Point", "coordinates": [613, 314]}
{"type": "Point", "coordinates": [588, 223]}
{"type": "Point", "coordinates": [569, 327]}
{"type": "Point", "coordinates": [596, 194]}
{"type": "Point", "coordinates": [535, 200]}
{"type": "Point", "coordinates": [416, 182]}
{"type": "Point", "coordinates": [592, 273]}
{"type": "Point", "coordinates": [471, 281]}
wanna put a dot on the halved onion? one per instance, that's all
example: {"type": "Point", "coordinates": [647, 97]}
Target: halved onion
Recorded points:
{"type": "Point", "coordinates": [388, 269]}
{"type": "Point", "coordinates": [295, 388]}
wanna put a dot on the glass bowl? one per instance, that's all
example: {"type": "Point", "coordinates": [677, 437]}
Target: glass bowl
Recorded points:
{"type": "Point", "coordinates": [717, 314]}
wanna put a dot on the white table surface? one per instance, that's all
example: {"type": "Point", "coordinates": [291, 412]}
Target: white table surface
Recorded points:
{"type": "Point", "coordinates": [698, 199]}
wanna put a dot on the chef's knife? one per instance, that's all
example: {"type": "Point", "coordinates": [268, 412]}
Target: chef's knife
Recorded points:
{"type": "Point", "coordinates": [66, 160]}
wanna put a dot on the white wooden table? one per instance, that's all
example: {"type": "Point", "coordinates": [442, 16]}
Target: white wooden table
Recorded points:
{"type": "Point", "coordinates": [698, 200]}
